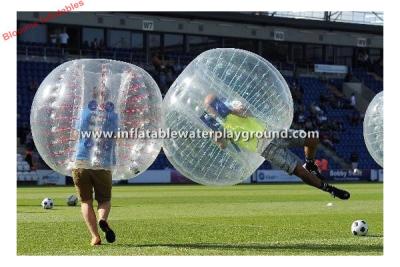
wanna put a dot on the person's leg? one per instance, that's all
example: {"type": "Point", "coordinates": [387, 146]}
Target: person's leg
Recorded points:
{"type": "Point", "coordinates": [310, 145]}
{"type": "Point", "coordinates": [280, 156]}
{"type": "Point", "coordinates": [102, 180]}
{"type": "Point", "coordinates": [103, 210]}
{"type": "Point", "coordinates": [90, 218]}
{"type": "Point", "coordinates": [310, 179]}
{"type": "Point", "coordinates": [310, 148]}
{"type": "Point", "coordinates": [295, 139]}
{"type": "Point", "coordinates": [307, 177]}
{"type": "Point", "coordinates": [84, 190]}
{"type": "Point", "coordinates": [102, 183]}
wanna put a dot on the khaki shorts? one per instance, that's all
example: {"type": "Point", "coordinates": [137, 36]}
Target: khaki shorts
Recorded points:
{"type": "Point", "coordinates": [86, 180]}
{"type": "Point", "coordinates": [279, 155]}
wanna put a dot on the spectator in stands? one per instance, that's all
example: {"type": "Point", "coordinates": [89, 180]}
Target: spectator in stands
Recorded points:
{"type": "Point", "coordinates": [85, 45]}
{"type": "Point", "coordinates": [29, 159]}
{"type": "Point", "coordinates": [85, 48]}
{"type": "Point", "coordinates": [324, 127]}
{"type": "Point", "coordinates": [300, 107]}
{"type": "Point", "coordinates": [318, 164]}
{"type": "Point", "coordinates": [102, 45]}
{"type": "Point", "coordinates": [157, 62]}
{"type": "Point", "coordinates": [324, 165]}
{"type": "Point", "coordinates": [309, 126]}
{"type": "Point", "coordinates": [54, 38]}
{"type": "Point", "coordinates": [299, 114]}
{"type": "Point", "coordinates": [354, 160]}
{"type": "Point", "coordinates": [301, 118]}
{"type": "Point", "coordinates": [335, 137]}
{"type": "Point", "coordinates": [355, 118]}
{"type": "Point", "coordinates": [363, 59]}
{"type": "Point", "coordinates": [315, 109]}
{"type": "Point", "coordinates": [338, 125]}
{"type": "Point", "coordinates": [349, 77]}
{"type": "Point", "coordinates": [29, 144]}
{"type": "Point", "coordinates": [170, 76]}
{"type": "Point", "coordinates": [21, 133]}
{"type": "Point", "coordinates": [343, 103]}
{"type": "Point", "coordinates": [324, 99]}
{"type": "Point", "coordinates": [162, 82]}
{"type": "Point", "coordinates": [18, 128]}
{"type": "Point", "coordinates": [296, 93]}
{"type": "Point", "coordinates": [94, 45]}
{"type": "Point", "coordinates": [33, 86]}
{"type": "Point", "coordinates": [64, 37]}
{"type": "Point", "coordinates": [169, 64]}
{"type": "Point", "coordinates": [159, 68]}
{"type": "Point", "coordinates": [122, 43]}
{"type": "Point", "coordinates": [332, 101]}
{"type": "Point", "coordinates": [377, 67]}
{"type": "Point", "coordinates": [321, 118]}
{"type": "Point", "coordinates": [325, 139]}
{"type": "Point", "coordinates": [353, 101]}
{"type": "Point", "coordinates": [366, 61]}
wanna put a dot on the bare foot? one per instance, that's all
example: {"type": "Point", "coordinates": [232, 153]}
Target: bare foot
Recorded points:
{"type": "Point", "coordinates": [95, 241]}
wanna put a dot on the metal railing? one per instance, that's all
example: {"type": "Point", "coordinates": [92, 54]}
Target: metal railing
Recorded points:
{"type": "Point", "coordinates": [47, 51]}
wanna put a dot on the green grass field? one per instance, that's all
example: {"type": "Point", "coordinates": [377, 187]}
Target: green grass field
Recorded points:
{"type": "Point", "coordinates": [198, 220]}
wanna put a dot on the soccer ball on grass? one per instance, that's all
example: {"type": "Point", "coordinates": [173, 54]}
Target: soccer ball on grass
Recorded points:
{"type": "Point", "coordinates": [72, 200]}
{"type": "Point", "coordinates": [359, 227]}
{"type": "Point", "coordinates": [47, 203]}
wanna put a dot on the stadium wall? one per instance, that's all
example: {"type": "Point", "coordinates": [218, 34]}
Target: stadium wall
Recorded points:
{"type": "Point", "coordinates": [169, 176]}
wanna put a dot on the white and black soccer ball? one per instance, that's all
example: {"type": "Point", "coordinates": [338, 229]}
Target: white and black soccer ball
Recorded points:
{"type": "Point", "coordinates": [47, 203]}
{"type": "Point", "coordinates": [72, 200]}
{"type": "Point", "coordinates": [359, 227]}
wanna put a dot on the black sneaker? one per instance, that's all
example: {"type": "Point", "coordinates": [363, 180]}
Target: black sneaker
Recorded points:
{"type": "Point", "coordinates": [336, 192]}
{"type": "Point", "coordinates": [312, 168]}
{"type": "Point", "coordinates": [110, 235]}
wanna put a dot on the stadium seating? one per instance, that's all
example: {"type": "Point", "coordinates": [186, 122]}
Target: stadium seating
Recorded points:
{"type": "Point", "coordinates": [351, 139]}
{"type": "Point", "coordinates": [31, 73]}
{"type": "Point", "coordinates": [368, 79]}
{"type": "Point", "coordinates": [24, 175]}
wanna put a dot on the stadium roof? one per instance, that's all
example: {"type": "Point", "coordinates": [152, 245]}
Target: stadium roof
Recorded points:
{"type": "Point", "coordinates": [360, 17]}
{"type": "Point", "coordinates": [349, 21]}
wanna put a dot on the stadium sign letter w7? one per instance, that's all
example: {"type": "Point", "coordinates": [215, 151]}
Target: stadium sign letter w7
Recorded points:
{"type": "Point", "coordinates": [148, 25]}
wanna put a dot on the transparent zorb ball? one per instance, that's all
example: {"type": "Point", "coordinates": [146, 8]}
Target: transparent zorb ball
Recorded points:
{"type": "Point", "coordinates": [246, 93]}
{"type": "Point", "coordinates": [97, 96]}
{"type": "Point", "coordinates": [373, 128]}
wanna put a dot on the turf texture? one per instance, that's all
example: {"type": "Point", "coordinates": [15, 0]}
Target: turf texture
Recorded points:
{"type": "Point", "coordinates": [274, 219]}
